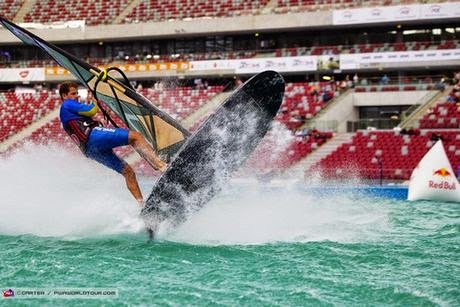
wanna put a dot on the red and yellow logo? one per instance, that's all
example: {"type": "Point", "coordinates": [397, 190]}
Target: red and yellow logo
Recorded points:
{"type": "Point", "coordinates": [442, 172]}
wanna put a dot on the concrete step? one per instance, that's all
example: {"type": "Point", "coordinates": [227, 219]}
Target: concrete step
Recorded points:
{"type": "Point", "coordinates": [126, 11]}
{"type": "Point", "coordinates": [298, 170]}
{"type": "Point", "coordinates": [25, 8]}
{"type": "Point", "coordinates": [27, 132]}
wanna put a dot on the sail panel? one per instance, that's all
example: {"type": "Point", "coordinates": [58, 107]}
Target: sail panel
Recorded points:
{"type": "Point", "coordinates": [163, 132]}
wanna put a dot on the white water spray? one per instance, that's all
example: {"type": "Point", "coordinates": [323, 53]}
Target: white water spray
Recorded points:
{"type": "Point", "coordinates": [49, 191]}
{"type": "Point", "coordinates": [258, 215]}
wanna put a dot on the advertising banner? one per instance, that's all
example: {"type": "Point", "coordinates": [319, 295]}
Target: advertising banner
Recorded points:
{"type": "Point", "coordinates": [22, 74]}
{"type": "Point", "coordinates": [370, 60]}
{"type": "Point", "coordinates": [128, 68]}
{"type": "Point", "coordinates": [250, 66]}
{"type": "Point", "coordinates": [396, 13]}
{"type": "Point", "coordinates": [440, 10]}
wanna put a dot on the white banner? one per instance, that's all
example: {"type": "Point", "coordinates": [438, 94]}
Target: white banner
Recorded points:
{"type": "Point", "coordinates": [298, 63]}
{"type": "Point", "coordinates": [22, 74]}
{"type": "Point", "coordinates": [212, 65]}
{"type": "Point", "coordinates": [396, 13]}
{"type": "Point", "coordinates": [72, 24]}
{"type": "Point", "coordinates": [440, 10]}
{"type": "Point", "coordinates": [369, 60]}
{"type": "Point", "coordinates": [250, 66]}
{"type": "Point", "coordinates": [285, 64]}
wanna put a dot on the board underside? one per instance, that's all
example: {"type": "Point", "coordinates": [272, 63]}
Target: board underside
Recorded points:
{"type": "Point", "coordinates": [216, 150]}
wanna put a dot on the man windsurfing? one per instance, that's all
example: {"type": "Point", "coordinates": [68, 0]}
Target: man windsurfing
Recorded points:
{"type": "Point", "coordinates": [97, 142]}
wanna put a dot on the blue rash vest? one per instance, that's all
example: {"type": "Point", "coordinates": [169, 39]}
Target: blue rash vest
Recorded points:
{"type": "Point", "coordinates": [77, 122]}
{"type": "Point", "coordinates": [74, 110]}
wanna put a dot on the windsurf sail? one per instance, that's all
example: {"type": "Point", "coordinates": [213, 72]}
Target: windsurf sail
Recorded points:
{"type": "Point", "coordinates": [434, 178]}
{"type": "Point", "coordinates": [163, 132]}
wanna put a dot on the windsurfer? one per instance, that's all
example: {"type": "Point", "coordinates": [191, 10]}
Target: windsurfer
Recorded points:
{"type": "Point", "coordinates": [97, 142]}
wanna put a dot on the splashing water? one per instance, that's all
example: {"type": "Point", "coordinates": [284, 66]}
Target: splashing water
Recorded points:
{"type": "Point", "coordinates": [48, 191]}
{"type": "Point", "coordinates": [258, 215]}
{"type": "Point", "coordinates": [331, 248]}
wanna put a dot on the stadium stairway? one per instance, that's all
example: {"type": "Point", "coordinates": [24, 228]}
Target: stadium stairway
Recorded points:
{"type": "Point", "coordinates": [27, 132]}
{"type": "Point", "coordinates": [120, 18]}
{"type": "Point", "coordinates": [25, 8]}
{"type": "Point", "coordinates": [335, 114]}
{"type": "Point", "coordinates": [300, 169]}
{"type": "Point", "coordinates": [270, 6]}
{"type": "Point", "coordinates": [412, 121]}
{"type": "Point", "coordinates": [205, 110]}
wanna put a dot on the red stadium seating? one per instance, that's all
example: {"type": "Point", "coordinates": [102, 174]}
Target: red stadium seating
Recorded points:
{"type": "Point", "coordinates": [180, 102]}
{"type": "Point", "coordinates": [93, 11]}
{"type": "Point", "coordinates": [51, 132]}
{"type": "Point", "coordinates": [104, 12]}
{"type": "Point", "coordinates": [444, 115]}
{"type": "Point", "coordinates": [399, 154]}
{"type": "Point", "coordinates": [367, 48]}
{"type": "Point", "coordinates": [285, 6]}
{"type": "Point", "coordinates": [9, 8]}
{"type": "Point", "coordinates": [264, 159]}
{"type": "Point", "coordinates": [18, 111]}
{"type": "Point", "coordinates": [153, 10]}
{"type": "Point", "coordinates": [301, 101]}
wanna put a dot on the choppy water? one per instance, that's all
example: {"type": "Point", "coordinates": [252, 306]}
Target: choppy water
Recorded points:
{"type": "Point", "coordinates": [65, 225]}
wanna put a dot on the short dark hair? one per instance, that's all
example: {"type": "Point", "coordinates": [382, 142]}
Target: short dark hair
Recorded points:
{"type": "Point", "coordinates": [64, 88]}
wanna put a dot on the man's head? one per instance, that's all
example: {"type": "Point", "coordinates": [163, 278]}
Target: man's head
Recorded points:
{"type": "Point", "coordinates": [68, 90]}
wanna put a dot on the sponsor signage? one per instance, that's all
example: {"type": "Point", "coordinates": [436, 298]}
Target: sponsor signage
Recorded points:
{"type": "Point", "coordinates": [396, 13]}
{"type": "Point", "coordinates": [439, 10]}
{"type": "Point", "coordinates": [444, 183]}
{"type": "Point", "coordinates": [22, 74]}
{"type": "Point", "coordinates": [434, 178]}
{"type": "Point", "coordinates": [243, 66]}
{"type": "Point", "coordinates": [375, 59]}
{"type": "Point", "coordinates": [256, 65]}
{"type": "Point", "coordinates": [129, 68]}
{"type": "Point", "coordinates": [72, 24]}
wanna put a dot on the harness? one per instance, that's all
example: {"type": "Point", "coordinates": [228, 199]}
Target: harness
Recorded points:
{"type": "Point", "coordinates": [79, 130]}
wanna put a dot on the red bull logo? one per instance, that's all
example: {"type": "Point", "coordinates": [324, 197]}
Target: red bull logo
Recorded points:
{"type": "Point", "coordinates": [442, 185]}
{"type": "Point", "coordinates": [442, 172]}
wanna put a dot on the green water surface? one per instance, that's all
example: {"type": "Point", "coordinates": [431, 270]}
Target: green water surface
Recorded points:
{"type": "Point", "coordinates": [413, 262]}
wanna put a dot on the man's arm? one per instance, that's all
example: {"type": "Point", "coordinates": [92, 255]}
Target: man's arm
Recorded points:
{"type": "Point", "coordinates": [87, 110]}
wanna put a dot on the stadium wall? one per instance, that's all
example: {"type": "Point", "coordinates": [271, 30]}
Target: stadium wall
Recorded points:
{"type": "Point", "coordinates": [418, 13]}
{"type": "Point", "coordinates": [240, 24]}
{"type": "Point", "coordinates": [388, 98]}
